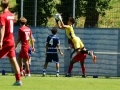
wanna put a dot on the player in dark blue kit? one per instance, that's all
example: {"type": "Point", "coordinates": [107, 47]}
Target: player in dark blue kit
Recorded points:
{"type": "Point", "coordinates": [52, 45]}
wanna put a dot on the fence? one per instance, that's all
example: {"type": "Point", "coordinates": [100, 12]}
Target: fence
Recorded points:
{"type": "Point", "coordinates": [98, 40]}
{"type": "Point", "coordinates": [40, 12]}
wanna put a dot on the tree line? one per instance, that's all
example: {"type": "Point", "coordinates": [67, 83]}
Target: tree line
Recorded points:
{"type": "Point", "coordinates": [90, 9]}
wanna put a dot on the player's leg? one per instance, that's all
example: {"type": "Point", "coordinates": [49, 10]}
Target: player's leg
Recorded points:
{"type": "Point", "coordinates": [20, 61]}
{"type": "Point", "coordinates": [12, 58]}
{"type": "Point", "coordinates": [84, 51]}
{"type": "Point", "coordinates": [83, 69]}
{"type": "Point", "coordinates": [27, 67]}
{"type": "Point", "coordinates": [70, 67]}
{"type": "Point", "coordinates": [48, 59]}
{"type": "Point", "coordinates": [55, 58]}
{"type": "Point", "coordinates": [24, 55]}
{"type": "Point", "coordinates": [24, 69]}
{"type": "Point", "coordinates": [30, 54]}
{"type": "Point", "coordinates": [23, 66]}
{"type": "Point", "coordinates": [79, 47]}
{"type": "Point", "coordinates": [82, 58]}
{"type": "Point", "coordinates": [16, 68]}
{"type": "Point", "coordinates": [45, 67]}
{"type": "Point", "coordinates": [93, 56]}
{"type": "Point", "coordinates": [29, 61]}
{"type": "Point", "coordinates": [57, 69]}
{"type": "Point", "coordinates": [20, 65]}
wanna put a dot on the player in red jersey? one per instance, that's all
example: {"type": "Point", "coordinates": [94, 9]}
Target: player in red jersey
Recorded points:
{"type": "Point", "coordinates": [77, 58]}
{"type": "Point", "coordinates": [7, 46]}
{"type": "Point", "coordinates": [24, 34]}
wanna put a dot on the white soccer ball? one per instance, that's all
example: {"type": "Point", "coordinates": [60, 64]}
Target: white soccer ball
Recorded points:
{"type": "Point", "coordinates": [57, 16]}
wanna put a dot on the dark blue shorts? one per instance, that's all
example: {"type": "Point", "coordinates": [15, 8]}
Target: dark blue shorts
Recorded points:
{"type": "Point", "coordinates": [30, 51]}
{"type": "Point", "coordinates": [52, 56]}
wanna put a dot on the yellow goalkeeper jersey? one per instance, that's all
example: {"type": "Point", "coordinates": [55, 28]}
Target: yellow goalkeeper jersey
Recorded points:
{"type": "Point", "coordinates": [70, 32]}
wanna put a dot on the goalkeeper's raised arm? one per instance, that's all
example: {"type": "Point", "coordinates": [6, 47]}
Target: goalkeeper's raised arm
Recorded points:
{"type": "Point", "coordinates": [62, 25]}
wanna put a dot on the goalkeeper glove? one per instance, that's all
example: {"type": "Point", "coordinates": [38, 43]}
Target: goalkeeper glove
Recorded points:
{"type": "Point", "coordinates": [60, 18]}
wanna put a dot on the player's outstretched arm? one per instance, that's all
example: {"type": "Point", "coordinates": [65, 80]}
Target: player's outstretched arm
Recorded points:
{"type": "Point", "coordinates": [57, 22]}
{"type": "Point", "coordinates": [62, 25]}
{"type": "Point", "coordinates": [33, 49]}
{"type": "Point", "coordinates": [33, 39]}
{"type": "Point", "coordinates": [46, 48]}
{"type": "Point", "coordinates": [2, 32]}
{"type": "Point", "coordinates": [69, 48]}
{"type": "Point", "coordinates": [18, 40]}
{"type": "Point", "coordinates": [59, 49]}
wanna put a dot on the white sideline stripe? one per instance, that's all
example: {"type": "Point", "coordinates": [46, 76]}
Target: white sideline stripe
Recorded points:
{"type": "Point", "coordinates": [106, 53]}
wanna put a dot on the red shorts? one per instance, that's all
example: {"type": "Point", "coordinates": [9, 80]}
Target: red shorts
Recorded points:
{"type": "Point", "coordinates": [24, 53]}
{"type": "Point", "coordinates": [79, 57]}
{"type": "Point", "coordinates": [8, 51]}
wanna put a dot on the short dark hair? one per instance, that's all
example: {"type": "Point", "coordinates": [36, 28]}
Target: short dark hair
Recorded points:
{"type": "Point", "coordinates": [23, 20]}
{"type": "Point", "coordinates": [72, 19]}
{"type": "Point", "coordinates": [54, 31]}
{"type": "Point", "coordinates": [4, 3]}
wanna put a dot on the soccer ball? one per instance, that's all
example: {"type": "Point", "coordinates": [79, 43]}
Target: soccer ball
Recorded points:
{"type": "Point", "coordinates": [57, 16]}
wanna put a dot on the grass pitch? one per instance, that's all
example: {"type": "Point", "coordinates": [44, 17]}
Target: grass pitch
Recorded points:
{"type": "Point", "coordinates": [37, 82]}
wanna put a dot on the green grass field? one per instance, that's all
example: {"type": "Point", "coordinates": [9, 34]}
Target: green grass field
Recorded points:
{"type": "Point", "coordinates": [37, 82]}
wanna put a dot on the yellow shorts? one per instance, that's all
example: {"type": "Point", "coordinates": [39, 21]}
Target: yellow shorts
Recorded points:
{"type": "Point", "coordinates": [77, 43]}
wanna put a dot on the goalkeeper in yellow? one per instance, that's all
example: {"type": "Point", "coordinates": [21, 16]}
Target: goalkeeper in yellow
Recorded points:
{"type": "Point", "coordinates": [78, 44]}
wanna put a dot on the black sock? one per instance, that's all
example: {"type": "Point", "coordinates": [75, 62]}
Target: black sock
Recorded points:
{"type": "Point", "coordinates": [23, 67]}
{"type": "Point", "coordinates": [85, 52]}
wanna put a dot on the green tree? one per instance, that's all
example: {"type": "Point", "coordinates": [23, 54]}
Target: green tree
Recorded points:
{"type": "Point", "coordinates": [91, 9]}
{"type": "Point", "coordinates": [45, 10]}
{"type": "Point", "coordinates": [94, 8]}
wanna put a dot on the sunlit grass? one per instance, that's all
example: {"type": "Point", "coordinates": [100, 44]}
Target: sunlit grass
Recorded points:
{"type": "Point", "coordinates": [50, 82]}
{"type": "Point", "coordinates": [112, 17]}
{"type": "Point", "coordinates": [12, 3]}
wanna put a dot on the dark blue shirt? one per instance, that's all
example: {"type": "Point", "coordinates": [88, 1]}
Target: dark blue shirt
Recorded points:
{"type": "Point", "coordinates": [52, 41]}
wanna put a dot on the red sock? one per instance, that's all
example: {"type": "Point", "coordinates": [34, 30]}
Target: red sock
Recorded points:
{"type": "Point", "coordinates": [17, 76]}
{"type": "Point", "coordinates": [27, 71]}
{"type": "Point", "coordinates": [21, 69]}
{"type": "Point", "coordinates": [83, 70]}
{"type": "Point", "coordinates": [70, 68]}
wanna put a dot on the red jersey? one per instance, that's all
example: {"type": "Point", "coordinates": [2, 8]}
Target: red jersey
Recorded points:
{"type": "Point", "coordinates": [24, 35]}
{"type": "Point", "coordinates": [7, 20]}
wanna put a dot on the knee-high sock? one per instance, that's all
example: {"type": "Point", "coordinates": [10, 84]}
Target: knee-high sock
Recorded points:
{"type": "Point", "coordinates": [17, 76]}
{"type": "Point", "coordinates": [70, 68]}
{"type": "Point", "coordinates": [83, 70]}
{"type": "Point", "coordinates": [21, 69]}
{"type": "Point", "coordinates": [28, 71]}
